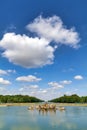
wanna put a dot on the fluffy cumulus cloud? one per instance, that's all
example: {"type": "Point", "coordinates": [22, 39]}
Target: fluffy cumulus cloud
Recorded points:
{"type": "Point", "coordinates": [55, 85]}
{"type": "Point", "coordinates": [26, 51]}
{"type": "Point", "coordinates": [52, 29]}
{"type": "Point", "coordinates": [66, 82]}
{"type": "Point", "coordinates": [78, 77]}
{"type": "Point", "coordinates": [33, 52]}
{"type": "Point", "coordinates": [4, 82]}
{"type": "Point", "coordinates": [29, 78]}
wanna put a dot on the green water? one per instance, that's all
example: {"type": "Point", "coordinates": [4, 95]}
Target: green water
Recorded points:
{"type": "Point", "coordinates": [19, 118]}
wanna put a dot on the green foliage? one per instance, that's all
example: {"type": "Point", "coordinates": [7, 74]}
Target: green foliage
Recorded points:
{"type": "Point", "coordinates": [18, 99]}
{"type": "Point", "coordinates": [70, 99]}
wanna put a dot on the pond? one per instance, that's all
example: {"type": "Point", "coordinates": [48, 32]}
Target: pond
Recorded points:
{"type": "Point", "coordinates": [20, 118]}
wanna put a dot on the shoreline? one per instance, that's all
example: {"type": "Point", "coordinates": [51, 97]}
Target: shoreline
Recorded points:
{"type": "Point", "coordinates": [72, 104]}
{"type": "Point", "coordinates": [30, 104]}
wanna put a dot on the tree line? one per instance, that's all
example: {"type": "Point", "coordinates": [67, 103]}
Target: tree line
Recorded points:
{"type": "Point", "coordinates": [18, 99]}
{"type": "Point", "coordinates": [70, 99]}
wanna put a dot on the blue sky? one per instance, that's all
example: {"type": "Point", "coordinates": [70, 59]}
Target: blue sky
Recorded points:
{"type": "Point", "coordinates": [43, 47]}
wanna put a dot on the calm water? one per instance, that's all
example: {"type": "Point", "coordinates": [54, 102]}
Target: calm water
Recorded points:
{"type": "Point", "coordinates": [19, 118]}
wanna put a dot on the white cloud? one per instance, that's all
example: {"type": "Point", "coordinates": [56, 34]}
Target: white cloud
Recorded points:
{"type": "Point", "coordinates": [10, 28]}
{"type": "Point", "coordinates": [3, 72]}
{"type": "Point", "coordinates": [78, 77]}
{"type": "Point", "coordinates": [42, 91]}
{"type": "Point", "coordinates": [71, 92]}
{"type": "Point", "coordinates": [36, 52]}
{"type": "Point", "coordinates": [33, 86]}
{"type": "Point", "coordinates": [68, 70]}
{"type": "Point", "coordinates": [4, 82]}
{"type": "Point", "coordinates": [6, 72]}
{"type": "Point", "coordinates": [29, 78]}
{"type": "Point", "coordinates": [11, 71]}
{"type": "Point", "coordinates": [52, 29]}
{"type": "Point", "coordinates": [31, 90]}
{"type": "Point", "coordinates": [26, 51]}
{"type": "Point", "coordinates": [21, 89]}
{"type": "Point", "coordinates": [55, 85]}
{"type": "Point", "coordinates": [66, 82]}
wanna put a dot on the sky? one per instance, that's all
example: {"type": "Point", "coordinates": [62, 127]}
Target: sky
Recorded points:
{"type": "Point", "coordinates": [43, 48]}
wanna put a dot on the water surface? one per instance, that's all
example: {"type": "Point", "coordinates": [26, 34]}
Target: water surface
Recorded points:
{"type": "Point", "coordinates": [19, 118]}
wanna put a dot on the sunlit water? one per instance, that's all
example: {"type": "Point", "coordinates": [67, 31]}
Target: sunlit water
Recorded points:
{"type": "Point", "coordinates": [20, 118]}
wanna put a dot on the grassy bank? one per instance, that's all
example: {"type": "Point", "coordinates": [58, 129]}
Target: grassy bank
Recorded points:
{"type": "Point", "coordinates": [30, 104]}
{"type": "Point", "coordinates": [72, 104]}
{"type": "Point", "coordinates": [16, 104]}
